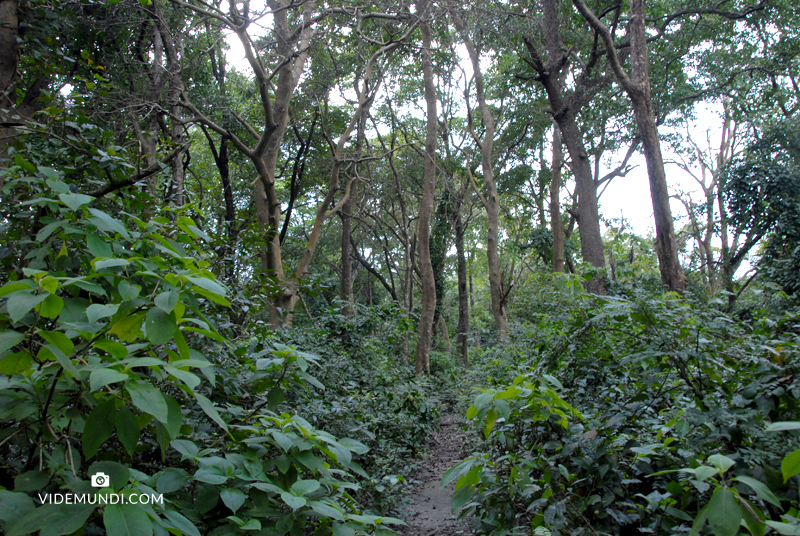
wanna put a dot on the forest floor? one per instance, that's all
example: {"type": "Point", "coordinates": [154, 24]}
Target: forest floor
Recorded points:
{"type": "Point", "coordinates": [428, 512]}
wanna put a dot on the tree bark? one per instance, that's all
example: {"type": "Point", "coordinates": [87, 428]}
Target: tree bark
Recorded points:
{"type": "Point", "coordinates": [555, 203]}
{"type": "Point", "coordinates": [463, 295]}
{"type": "Point", "coordinates": [491, 201]}
{"type": "Point", "coordinates": [637, 86]}
{"type": "Point", "coordinates": [565, 114]}
{"type": "Point", "coordinates": [422, 354]}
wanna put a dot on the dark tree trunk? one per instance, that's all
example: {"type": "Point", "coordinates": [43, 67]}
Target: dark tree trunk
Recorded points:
{"type": "Point", "coordinates": [555, 203]}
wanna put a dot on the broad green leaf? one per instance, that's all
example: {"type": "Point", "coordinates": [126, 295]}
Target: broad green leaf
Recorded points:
{"type": "Point", "coordinates": [97, 311]}
{"type": "Point", "coordinates": [783, 425]}
{"type": "Point", "coordinates": [491, 419]}
{"type": "Point", "coordinates": [724, 513]}
{"type": "Point", "coordinates": [186, 377]}
{"type": "Point", "coordinates": [722, 463]}
{"type": "Point", "coordinates": [15, 286]}
{"type": "Point", "coordinates": [103, 264]}
{"type": "Point", "coordinates": [293, 501]}
{"type": "Point", "coordinates": [33, 520]}
{"type": "Point", "coordinates": [699, 521]}
{"type": "Point", "coordinates": [75, 201]}
{"type": "Point", "coordinates": [210, 410]}
{"type": "Point", "coordinates": [119, 475]}
{"type": "Point", "coordinates": [172, 480]}
{"type": "Point", "coordinates": [104, 222]}
{"type": "Point", "coordinates": [127, 429]}
{"type": "Point", "coordinates": [341, 529]}
{"type": "Point", "coordinates": [160, 326]}
{"type": "Point", "coordinates": [761, 489]}
{"type": "Point", "coordinates": [784, 528]}
{"type": "Point", "coordinates": [148, 399]}
{"type": "Point", "coordinates": [31, 481]}
{"type": "Point", "coordinates": [51, 306]}
{"type": "Point", "coordinates": [175, 417]}
{"type": "Point", "coordinates": [167, 300]}
{"type": "Point", "coordinates": [704, 472]}
{"type": "Point", "coordinates": [22, 302]}
{"type": "Point", "coordinates": [16, 363]}
{"type": "Point", "coordinates": [356, 446]}
{"type": "Point", "coordinates": [232, 498]}
{"type": "Point", "coordinates": [127, 520]}
{"type": "Point", "coordinates": [98, 428]}
{"type": "Point", "coordinates": [275, 397]}
{"type": "Point", "coordinates": [9, 339]}
{"type": "Point", "coordinates": [112, 347]}
{"type": "Point", "coordinates": [208, 284]}
{"type": "Point", "coordinates": [181, 523]}
{"type": "Point", "coordinates": [59, 340]}
{"type": "Point", "coordinates": [127, 328]}
{"type": "Point", "coordinates": [99, 378]}
{"type": "Point", "coordinates": [97, 246]}
{"type": "Point", "coordinates": [216, 298]}
{"type": "Point", "coordinates": [128, 291]}
{"type": "Point", "coordinates": [13, 506]}
{"type": "Point", "coordinates": [304, 487]}
{"type": "Point", "coordinates": [790, 465]}
{"type": "Point", "coordinates": [68, 519]}
{"type": "Point", "coordinates": [460, 498]}
{"type": "Point", "coordinates": [326, 510]}
{"type": "Point", "coordinates": [754, 524]}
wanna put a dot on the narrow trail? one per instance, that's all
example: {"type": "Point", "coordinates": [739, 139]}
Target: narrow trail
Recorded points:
{"type": "Point", "coordinates": [428, 512]}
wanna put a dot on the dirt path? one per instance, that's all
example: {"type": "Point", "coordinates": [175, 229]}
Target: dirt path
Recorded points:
{"type": "Point", "coordinates": [428, 511]}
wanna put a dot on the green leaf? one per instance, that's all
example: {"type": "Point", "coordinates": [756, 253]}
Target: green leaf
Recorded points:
{"type": "Point", "coordinates": [160, 326]}
{"type": "Point", "coordinates": [112, 347]}
{"type": "Point", "coordinates": [167, 300]}
{"type": "Point", "coordinates": [704, 472]}
{"type": "Point", "coordinates": [33, 520]}
{"type": "Point", "coordinates": [51, 306]}
{"type": "Point", "coordinates": [460, 498]}
{"type": "Point", "coordinates": [553, 381]}
{"type": "Point", "coordinates": [233, 498]}
{"type": "Point", "coordinates": [326, 510]}
{"type": "Point", "coordinates": [293, 501]}
{"type": "Point", "coordinates": [99, 378]}
{"type": "Point", "coordinates": [216, 298]}
{"type": "Point", "coordinates": [97, 311]}
{"type": "Point", "coordinates": [104, 222]}
{"type": "Point", "coordinates": [128, 291]}
{"type": "Point", "coordinates": [13, 506]}
{"type": "Point", "coordinates": [784, 425]}
{"type": "Point", "coordinates": [175, 418]}
{"type": "Point", "coordinates": [699, 521]}
{"type": "Point", "coordinates": [754, 524]}
{"type": "Point", "coordinates": [97, 246]}
{"type": "Point", "coordinates": [790, 465]}
{"type": "Point", "coordinates": [171, 480]}
{"type": "Point", "coordinates": [181, 523]}
{"type": "Point", "coordinates": [127, 520]}
{"type": "Point", "coordinates": [16, 363]}
{"type": "Point", "coordinates": [127, 429]}
{"type": "Point", "coordinates": [208, 284]}
{"type": "Point", "coordinates": [148, 399]}
{"type": "Point", "coordinates": [186, 377]}
{"type": "Point", "coordinates": [31, 481]}
{"type": "Point", "coordinates": [722, 463]}
{"type": "Point", "coordinates": [98, 428]}
{"type": "Point", "coordinates": [127, 328]}
{"type": "Point", "coordinates": [340, 529]}
{"type": "Point", "coordinates": [102, 264]}
{"type": "Point", "coordinates": [491, 419]}
{"type": "Point", "coordinates": [761, 489]}
{"type": "Point", "coordinates": [21, 302]}
{"type": "Point", "coordinates": [211, 411]}
{"type": "Point", "coordinates": [784, 528]}
{"type": "Point", "coordinates": [724, 513]}
{"type": "Point", "coordinates": [59, 340]}
{"type": "Point", "coordinates": [304, 487]}
{"type": "Point", "coordinates": [67, 519]}
{"type": "Point", "coordinates": [75, 201]}
{"type": "Point", "coordinates": [9, 339]}
{"type": "Point", "coordinates": [275, 397]}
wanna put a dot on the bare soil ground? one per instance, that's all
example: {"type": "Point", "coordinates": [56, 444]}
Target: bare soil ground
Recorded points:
{"type": "Point", "coordinates": [428, 512]}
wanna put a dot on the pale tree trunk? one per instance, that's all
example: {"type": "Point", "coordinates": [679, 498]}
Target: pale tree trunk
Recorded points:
{"type": "Point", "coordinates": [345, 214]}
{"type": "Point", "coordinates": [491, 201]}
{"type": "Point", "coordinates": [463, 295]}
{"type": "Point", "coordinates": [422, 355]}
{"type": "Point", "coordinates": [637, 86]}
{"type": "Point", "coordinates": [555, 203]}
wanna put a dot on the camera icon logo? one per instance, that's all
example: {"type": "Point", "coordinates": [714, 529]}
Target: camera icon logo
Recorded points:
{"type": "Point", "coordinates": [100, 480]}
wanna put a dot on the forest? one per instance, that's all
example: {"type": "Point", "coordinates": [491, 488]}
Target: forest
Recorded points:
{"type": "Point", "coordinates": [258, 258]}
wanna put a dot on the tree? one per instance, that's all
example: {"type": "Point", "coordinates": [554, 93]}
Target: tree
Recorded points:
{"type": "Point", "coordinates": [637, 87]}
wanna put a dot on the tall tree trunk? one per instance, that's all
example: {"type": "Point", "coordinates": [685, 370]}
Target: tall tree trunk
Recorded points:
{"type": "Point", "coordinates": [555, 203]}
{"type": "Point", "coordinates": [637, 86]}
{"type": "Point", "coordinates": [565, 115]}
{"type": "Point", "coordinates": [422, 355]}
{"type": "Point", "coordinates": [491, 201]}
{"type": "Point", "coordinates": [463, 296]}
